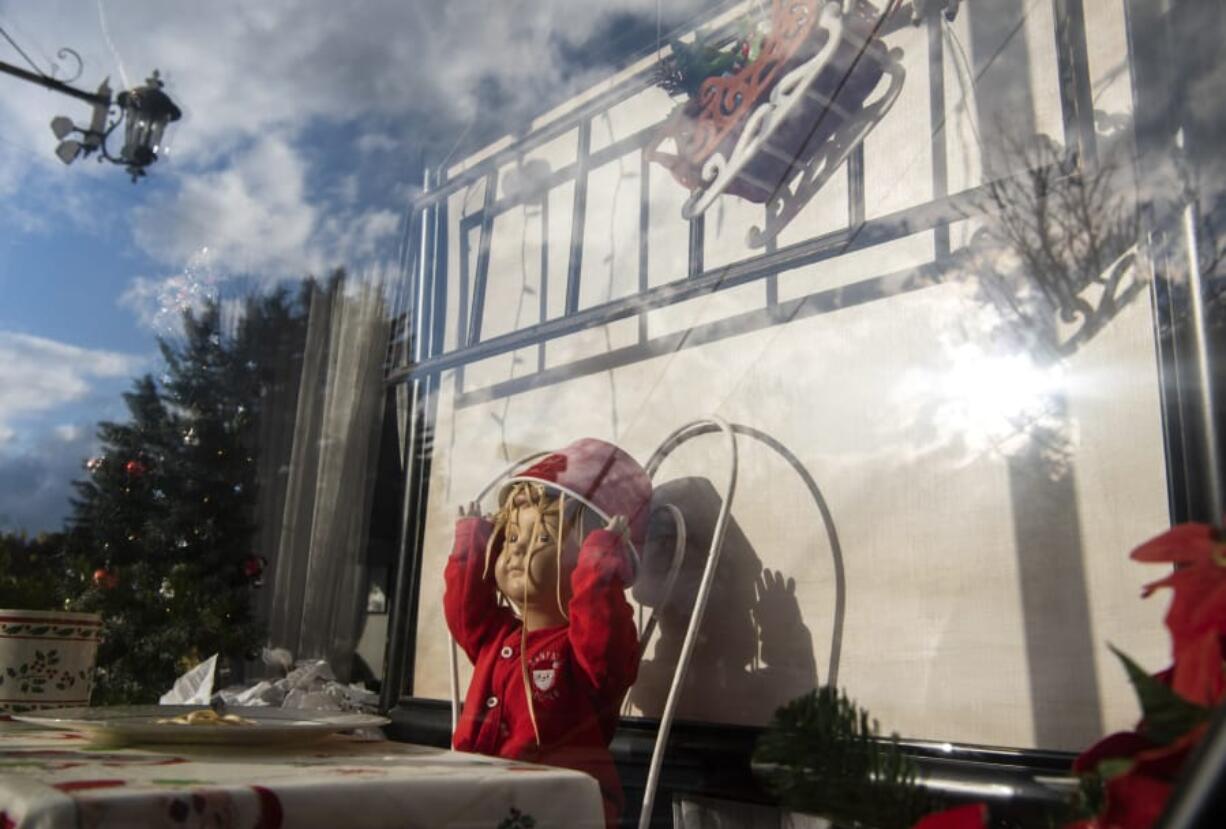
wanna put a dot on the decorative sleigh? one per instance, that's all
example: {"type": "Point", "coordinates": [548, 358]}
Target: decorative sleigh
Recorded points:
{"type": "Point", "coordinates": [777, 129]}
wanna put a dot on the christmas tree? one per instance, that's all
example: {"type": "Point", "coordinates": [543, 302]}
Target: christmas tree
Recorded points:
{"type": "Point", "coordinates": [166, 518]}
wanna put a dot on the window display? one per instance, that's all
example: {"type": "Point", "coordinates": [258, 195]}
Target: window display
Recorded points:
{"type": "Point", "coordinates": [967, 382]}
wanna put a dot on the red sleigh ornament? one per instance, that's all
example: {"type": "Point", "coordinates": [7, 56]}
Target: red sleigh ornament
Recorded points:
{"type": "Point", "coordinates": [777, 129]}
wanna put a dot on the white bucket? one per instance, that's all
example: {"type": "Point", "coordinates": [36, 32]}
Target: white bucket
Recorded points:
{"type": "Point", "coordinates": [46, 658]}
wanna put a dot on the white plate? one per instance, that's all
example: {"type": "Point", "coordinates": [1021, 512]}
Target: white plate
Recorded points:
{"type": "Point", "coordinates": [139, 724]}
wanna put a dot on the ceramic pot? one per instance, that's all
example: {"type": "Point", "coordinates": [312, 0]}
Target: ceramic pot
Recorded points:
{"type": "Point", "coordinates": [46, 658]}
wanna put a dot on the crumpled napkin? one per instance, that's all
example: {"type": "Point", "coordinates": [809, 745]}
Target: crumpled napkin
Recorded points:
{"type": "Point", "coordinates": [307, 685]}
{"type": "Point", "coordinates": [193, 688]}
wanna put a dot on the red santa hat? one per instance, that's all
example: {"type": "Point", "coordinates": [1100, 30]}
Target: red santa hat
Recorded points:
{"type": "Point", "coordinates": [603, 478]}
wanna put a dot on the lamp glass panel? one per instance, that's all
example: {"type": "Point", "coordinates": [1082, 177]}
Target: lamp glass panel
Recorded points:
{"type": "Point", "coordinates": [68, 151]}
{"type": "Point", "coordinates": [62, 126]}
{"type": "Point", "coordinates": [156, 129]}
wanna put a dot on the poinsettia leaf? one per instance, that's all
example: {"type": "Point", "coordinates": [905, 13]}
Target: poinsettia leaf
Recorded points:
{"type": "Point", "coordinates": [1166, 716]}
{"type": "Point", "coordinates": [1185, 543]}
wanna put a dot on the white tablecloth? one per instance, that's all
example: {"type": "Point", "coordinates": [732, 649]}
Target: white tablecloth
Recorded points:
{"type": "Point", "coordinates": [53, 779]}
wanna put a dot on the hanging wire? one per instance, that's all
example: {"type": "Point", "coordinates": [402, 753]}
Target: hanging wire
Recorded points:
{"type": "Point", "coordinates": [442, 165]}
{"type": "Point", "coordinates": [657, 27]}
{"type": "Point", "coordinates": [106, 35]}
{"type": "Point", "coordinates": [22, 52]}
{"type": "Point", "coordinates": [967, 78]}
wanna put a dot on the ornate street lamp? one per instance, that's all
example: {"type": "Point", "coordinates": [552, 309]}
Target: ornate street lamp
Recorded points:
{"type": "Point", "coordinates": [145, 111]}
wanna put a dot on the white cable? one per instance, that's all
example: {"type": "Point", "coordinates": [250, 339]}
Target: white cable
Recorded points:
{"type": "Point", "coordinates": [454, 665]}
{"type": "Point", "coordinates": [674, 440]}
{"type": "Point", "coordinates": [670, 580]}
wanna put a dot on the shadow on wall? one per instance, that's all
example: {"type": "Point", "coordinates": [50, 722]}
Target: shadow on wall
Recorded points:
{"type": "Point", "coordinates": [753, 652]}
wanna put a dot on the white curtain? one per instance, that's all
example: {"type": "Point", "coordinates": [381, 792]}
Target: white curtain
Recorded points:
{"type": "Point", "coordinates": [319, 583]}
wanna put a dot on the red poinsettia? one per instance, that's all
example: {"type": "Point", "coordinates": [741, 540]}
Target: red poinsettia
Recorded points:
{"type": "Point", "coordinates": [1135, 798]}
{"type": "Point", "coordinates": [1197, 616]}
{"type": "Point", "coordinates": [974, 816]}
{"type": "Point", "coordinates": [1140, 767]}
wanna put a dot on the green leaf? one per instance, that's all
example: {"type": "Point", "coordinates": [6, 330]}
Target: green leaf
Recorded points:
{"type": "Point", "coordinates": [1166, 716]}
{"type": "Point", "coordinates": [1113, 767]}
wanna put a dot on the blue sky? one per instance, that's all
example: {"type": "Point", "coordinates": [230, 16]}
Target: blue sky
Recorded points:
{"type": "Point", "coordinates": [298, 152]}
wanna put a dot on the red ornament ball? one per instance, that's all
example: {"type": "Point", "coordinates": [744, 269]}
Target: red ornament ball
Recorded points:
{"type": "Point", "coordinates": [105, 579]}
{"type": "Point", "coordinates": [134, 468]}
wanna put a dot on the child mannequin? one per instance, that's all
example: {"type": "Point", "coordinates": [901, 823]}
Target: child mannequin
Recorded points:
{"type": "Point", "coordinates": [549, 676]}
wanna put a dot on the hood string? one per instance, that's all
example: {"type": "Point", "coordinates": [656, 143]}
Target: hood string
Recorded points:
{"type": "Point", "coordinates": [500, 525]}
{"type": "Point", "coordinates": [523, 634]}
{"type": "Point", "coordinates": [561, 535]}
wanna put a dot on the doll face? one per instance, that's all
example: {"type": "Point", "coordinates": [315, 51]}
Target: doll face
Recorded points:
{"type": "Point", "coordinates": [516, 573]}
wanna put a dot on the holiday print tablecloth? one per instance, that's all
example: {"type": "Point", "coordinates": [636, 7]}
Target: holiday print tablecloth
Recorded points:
{"type": "Point", "coordinates": [51, 779]}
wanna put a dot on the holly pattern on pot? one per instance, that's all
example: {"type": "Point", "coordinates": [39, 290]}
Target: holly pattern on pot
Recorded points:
{"type": "Point", "coordinates": [42, 673]}
{"type": "Point", "coordinates": [42, 629]}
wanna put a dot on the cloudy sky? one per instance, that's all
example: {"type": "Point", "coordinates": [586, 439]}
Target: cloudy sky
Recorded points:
{"type": "Point", "coordinates": [304, 124]}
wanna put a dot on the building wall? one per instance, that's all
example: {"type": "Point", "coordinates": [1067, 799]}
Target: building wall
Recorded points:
{"type": "Point", "coordinates": [981, 500]}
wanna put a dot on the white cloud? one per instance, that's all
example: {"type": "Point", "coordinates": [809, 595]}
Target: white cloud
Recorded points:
{"type": "Point", "coordinates": [252, 216]}
{"type": "Point", "coordinates": [377, 142]}
{"type": "Point", "coordinates": [67, 432]}
{"type": "Point", "coordinates": [348, 189]}
{"type": "Point", "coordinates": [39, 374]}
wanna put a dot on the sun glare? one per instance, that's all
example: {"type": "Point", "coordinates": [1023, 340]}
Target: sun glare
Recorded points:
{"type": "Point", "coordinates": [991, 398]}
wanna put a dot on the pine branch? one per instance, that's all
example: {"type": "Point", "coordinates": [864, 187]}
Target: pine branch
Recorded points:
{"type": "Point", "coordinates": [821, 755]}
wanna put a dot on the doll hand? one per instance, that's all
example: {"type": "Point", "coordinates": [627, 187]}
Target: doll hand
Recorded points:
{"type": "Point", "coordinates": [618, 525]}
{"type": "Point", "coordinates": [470, 510]}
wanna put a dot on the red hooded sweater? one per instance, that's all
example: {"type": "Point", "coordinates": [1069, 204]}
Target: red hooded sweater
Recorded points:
{"type": "Point", "coordinates": [579, 673]}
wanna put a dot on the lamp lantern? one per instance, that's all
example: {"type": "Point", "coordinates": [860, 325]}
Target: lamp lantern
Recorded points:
{"type": "Point", "coordinates": [146, 110]}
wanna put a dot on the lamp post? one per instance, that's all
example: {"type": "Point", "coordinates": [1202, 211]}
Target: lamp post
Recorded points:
{"type": "Point", "coordinates": [145, 111]}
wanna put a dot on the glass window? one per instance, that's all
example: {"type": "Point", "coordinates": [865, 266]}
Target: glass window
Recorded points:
{"type": "Point", "coordinates": [938, 322]}
{"type": "Point", "coordinates": [891, 303]}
